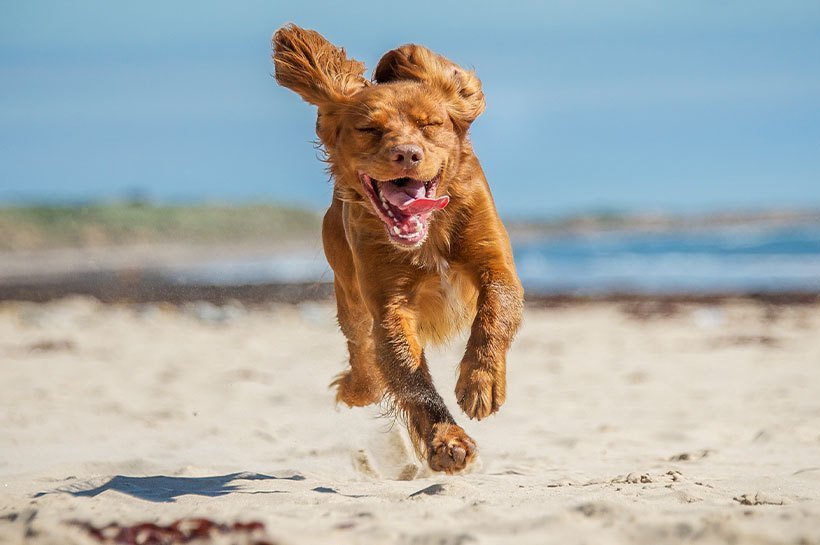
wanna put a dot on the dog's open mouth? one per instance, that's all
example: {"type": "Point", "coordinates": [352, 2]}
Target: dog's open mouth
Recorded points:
{"type": "Point", "coordinates": [404, 205]}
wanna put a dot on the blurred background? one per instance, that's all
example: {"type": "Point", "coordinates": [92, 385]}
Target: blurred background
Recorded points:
{"type": "Point", "coordinates": [637, 147]}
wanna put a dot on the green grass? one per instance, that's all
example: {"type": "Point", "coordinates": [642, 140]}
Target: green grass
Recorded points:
{"type": "Point", "coordinates": [38, 227]}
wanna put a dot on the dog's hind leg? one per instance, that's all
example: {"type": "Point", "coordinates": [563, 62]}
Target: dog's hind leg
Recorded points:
{"type": "Point", "coordinates": [362, 384]}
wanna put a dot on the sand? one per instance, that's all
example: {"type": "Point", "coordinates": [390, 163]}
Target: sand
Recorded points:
{"type": "Point", "coordinates": [694, 424]}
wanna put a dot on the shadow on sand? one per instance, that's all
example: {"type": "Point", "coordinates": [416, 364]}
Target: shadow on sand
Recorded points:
{"type": "Point", "coordinates": [164, 489]}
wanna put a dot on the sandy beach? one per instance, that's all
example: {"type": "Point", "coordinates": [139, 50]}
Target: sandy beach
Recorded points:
{"type": "Point", "coordinates": [624, 423]}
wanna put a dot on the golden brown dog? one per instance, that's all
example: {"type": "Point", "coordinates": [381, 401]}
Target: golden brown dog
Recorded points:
{"type": "Point", "coordinates": [413, 237]}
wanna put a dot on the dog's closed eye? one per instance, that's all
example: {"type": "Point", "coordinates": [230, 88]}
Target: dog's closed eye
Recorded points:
{"type": "Point", "coordinates": [430, 123]}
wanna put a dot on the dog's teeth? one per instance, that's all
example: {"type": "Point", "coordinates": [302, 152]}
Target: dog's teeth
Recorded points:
{"type": "Point", "coordinates": [396, 229]}
{"type": "Point", "coordinates": [389, 213]}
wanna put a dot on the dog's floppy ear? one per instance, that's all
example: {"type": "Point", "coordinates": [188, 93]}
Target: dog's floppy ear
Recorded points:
{"type": "Point", "coordinates": [318, 71]}
{"type": "Point", "coordinates": [416, 62]}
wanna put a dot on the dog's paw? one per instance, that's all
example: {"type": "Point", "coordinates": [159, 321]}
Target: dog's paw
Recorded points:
{"type": "Point", "coordinates": [451, 449]}
{"type": "Point", "coordinates": [353, 392]}
{"type": "Point", "coordinates": [480, 392]}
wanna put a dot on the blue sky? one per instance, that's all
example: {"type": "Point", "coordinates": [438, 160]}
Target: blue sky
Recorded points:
{"type": "Point", "coordinates": [636, 106]}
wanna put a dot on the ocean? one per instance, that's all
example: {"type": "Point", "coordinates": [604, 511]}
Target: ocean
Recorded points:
{"type": "Point", "coordinates": [716, 259]}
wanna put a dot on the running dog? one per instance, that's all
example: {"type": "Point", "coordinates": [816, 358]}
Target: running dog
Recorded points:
{"type": "Point", "coordinates": [412, 234]}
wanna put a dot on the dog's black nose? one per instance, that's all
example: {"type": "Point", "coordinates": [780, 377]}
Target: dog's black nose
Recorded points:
{"type": "Point", "coordinates": [406, 155]}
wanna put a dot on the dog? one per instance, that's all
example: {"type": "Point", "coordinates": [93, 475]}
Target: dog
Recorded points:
{"type": "Point", "coordinates": [416, 246]}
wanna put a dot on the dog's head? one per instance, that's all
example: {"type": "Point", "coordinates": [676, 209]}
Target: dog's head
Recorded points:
{"type": "Point", "coordinates": [393, 143]}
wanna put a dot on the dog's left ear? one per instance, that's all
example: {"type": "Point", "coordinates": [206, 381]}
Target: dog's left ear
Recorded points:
{"type": "Point", "coordinates": [415, 62]}
{"type": "Point", "coordinates": [317, 70]}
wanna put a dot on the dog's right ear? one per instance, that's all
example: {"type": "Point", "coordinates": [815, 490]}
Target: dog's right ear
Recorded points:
{"type": "Point", "coordinates": [318, 71]}
{"type": "Point", "coordinates": [461, 87]}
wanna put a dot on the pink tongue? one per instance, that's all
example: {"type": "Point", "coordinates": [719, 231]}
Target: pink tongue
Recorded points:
{"type": "Point", "coordinates": [420, 206]}
{"type": "Point", "coordinates": [410, 197]}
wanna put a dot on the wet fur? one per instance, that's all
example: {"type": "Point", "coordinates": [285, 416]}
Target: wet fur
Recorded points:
{"type": "Point", "coordinates": [393, 301]}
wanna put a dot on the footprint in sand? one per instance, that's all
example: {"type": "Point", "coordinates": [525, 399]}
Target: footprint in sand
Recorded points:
{"type": "Point", "coordinates": [388, 455]}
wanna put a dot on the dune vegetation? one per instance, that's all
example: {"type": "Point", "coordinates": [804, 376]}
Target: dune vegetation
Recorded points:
{"type": "Point", "coordinates": [50, 226]}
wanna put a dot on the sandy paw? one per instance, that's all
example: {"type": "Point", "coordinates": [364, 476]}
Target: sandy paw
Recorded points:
{"type": "Point", "coordinates": [479, 393]}
{"type": "Point", "coordinates": [355, 393]}
{"type": "Point", "coordinates": [451, 449]}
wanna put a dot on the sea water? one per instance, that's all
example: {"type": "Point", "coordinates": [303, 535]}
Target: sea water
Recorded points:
{"type": "Point", "coordinates": [717, 259]}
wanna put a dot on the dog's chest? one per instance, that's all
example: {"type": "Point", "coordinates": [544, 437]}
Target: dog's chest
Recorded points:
{"type": "Point", "coordinates": [446, 302]}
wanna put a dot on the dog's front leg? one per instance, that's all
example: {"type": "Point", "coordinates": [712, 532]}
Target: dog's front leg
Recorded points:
{"type": "Point", "coordinates": [482, 381]}
{"type": "Point", "coordinates": [401, 358]}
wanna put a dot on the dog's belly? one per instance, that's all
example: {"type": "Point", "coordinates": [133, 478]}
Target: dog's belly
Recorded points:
{"type": "Point", "coordinates": [446, 305]}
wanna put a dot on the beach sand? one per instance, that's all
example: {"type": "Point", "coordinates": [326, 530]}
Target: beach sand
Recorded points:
{"type": "Point", "coordinates": [624, 423]}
